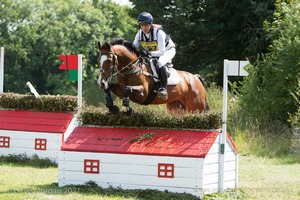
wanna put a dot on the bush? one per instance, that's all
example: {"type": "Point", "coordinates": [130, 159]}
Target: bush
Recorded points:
{"type": "Point", "coordinates": [100, 116]}
{"type": "Point", "coordinates": [49, 103]}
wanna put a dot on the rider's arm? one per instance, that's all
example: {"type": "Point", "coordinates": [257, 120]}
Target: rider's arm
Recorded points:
{"type": "Point", "coordinates": [136, 39]}
{"type": "Point", "coordinates": [161, 38]}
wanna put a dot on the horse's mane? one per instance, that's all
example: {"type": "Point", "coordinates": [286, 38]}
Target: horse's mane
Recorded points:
{"type": "Point", "coordinates": [129, 45]}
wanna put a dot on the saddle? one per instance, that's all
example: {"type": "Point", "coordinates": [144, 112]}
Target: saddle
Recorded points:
{"type": "Point", "coordinates": [173, 77]}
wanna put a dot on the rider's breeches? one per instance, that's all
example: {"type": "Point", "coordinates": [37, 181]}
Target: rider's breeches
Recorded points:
{"type": "Point", "coordinates": [167, 57]}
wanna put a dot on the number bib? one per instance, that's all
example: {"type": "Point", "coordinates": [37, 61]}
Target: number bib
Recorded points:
{"type": "Point", "coordinates": [149, 46]}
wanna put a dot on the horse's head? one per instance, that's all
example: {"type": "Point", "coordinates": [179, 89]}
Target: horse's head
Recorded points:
{"type": "Point", "coordinates": [116, 57]}
{"type": "Point", "coordinates": [107, 63]}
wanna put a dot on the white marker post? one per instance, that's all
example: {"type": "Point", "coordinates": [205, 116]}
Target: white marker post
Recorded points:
{"type": "Point", "coordinates": [79, 84]}
{"type": "Point", "coordinates": [33, 90]}
{"type": "Point", "coordinates": [231, 68]}
{"type": "Point", "coordinates": [2, 70]}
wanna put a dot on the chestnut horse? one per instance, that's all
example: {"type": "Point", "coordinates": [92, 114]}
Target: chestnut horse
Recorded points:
{"type": "Point", "coordinates": [135, 80]}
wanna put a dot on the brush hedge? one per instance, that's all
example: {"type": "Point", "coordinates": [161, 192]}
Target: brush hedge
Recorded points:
{"type": "Point", "coordinates": [99, 116]}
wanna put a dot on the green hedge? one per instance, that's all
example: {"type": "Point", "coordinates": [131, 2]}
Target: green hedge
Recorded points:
{"type": "Point", "coordinates": [46, 103]}
{"type": "Point", "coordinates": [99, 116]}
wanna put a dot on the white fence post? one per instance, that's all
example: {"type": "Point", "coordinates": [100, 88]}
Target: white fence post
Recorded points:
{"type": "Point", "coordinates": [2, 70]}
{"type": "Point", "coordinates": [231, 68]}
{"type": "Point", "coordinates": [79, 92]}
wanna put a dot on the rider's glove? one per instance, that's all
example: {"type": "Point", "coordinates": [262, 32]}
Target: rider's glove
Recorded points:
{"type": "Point", "coordinates": [144, 53]}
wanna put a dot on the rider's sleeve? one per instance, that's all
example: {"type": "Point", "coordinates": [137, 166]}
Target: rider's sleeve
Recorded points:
{"type": "Point", "coordinates": [161, 38]}
{"type": "Point", "coordinates": [136, 40]}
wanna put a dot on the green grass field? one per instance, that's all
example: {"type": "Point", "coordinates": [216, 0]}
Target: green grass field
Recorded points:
{"type": "Point", "coordinates": [259, 178]}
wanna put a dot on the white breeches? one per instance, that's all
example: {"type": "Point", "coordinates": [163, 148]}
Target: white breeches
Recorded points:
{"type": "Point", "coordinates": [167, 57]}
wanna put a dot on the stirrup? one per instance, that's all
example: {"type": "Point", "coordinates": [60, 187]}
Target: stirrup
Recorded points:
{"type": "Point", "coordinates": [162, 93]}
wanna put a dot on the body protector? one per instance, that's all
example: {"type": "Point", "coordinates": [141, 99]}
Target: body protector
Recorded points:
{"type": "Point", "coordinates": [157, 42]}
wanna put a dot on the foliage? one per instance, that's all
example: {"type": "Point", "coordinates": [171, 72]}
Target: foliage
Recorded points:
{"type": "Point", "coordinates": [294, 118]}
{"type": "Point", "coordinates": [99, 116]}
{"type": "Point", "coordinates": [207, 32]}
{"type": "Point", "coordinates": [23, 159]}
{"type": "Point", "coordinates": [50, 103]}
{"type": "Point", "coordinates": [266, 92]}
{"type": "Point", "coordinates": [92, 187]}
{"type": "Point", "coordinates": [35, 32]}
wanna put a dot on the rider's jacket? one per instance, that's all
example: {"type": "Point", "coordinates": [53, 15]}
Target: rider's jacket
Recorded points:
{"type": "Point", "coordinates": [156, 41]}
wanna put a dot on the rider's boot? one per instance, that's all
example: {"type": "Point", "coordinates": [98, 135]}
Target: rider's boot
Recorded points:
{"type": "Point", "coordinates": [162, 91]}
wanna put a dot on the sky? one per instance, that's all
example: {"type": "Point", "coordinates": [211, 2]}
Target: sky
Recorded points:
{"type": "Point", "coordinates": [123, 2]}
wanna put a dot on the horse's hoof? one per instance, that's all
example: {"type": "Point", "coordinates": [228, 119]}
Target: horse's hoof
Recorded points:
{"type": "Point", "coordinates": [128, 111]}
{"type": "Point", "coordinates": [114, 109]}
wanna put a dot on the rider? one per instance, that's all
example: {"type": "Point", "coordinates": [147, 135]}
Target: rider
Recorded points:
{"type": "Point", "coordinates": [158, 44]}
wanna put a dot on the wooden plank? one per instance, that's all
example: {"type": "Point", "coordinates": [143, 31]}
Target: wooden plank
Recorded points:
{"type": "Point", "coordinates": [130, 179]}
{"type": "Point", "coordinates": [25, 135]}
{"type": "Point", "coordinates": [211, 158]}
{"type": "Point", "coordinates": [30, 144]}
{"type": "Point", "coordinates": [210, 178]}
{"type": "Point", "coordinates": [133, 169]}
{"type": "Point", "coordinates": [211, 168]}
{"type": "Point", "coordinates": [211, 188]}
{"type": "Point", "coordinates": [230, 175]}
{"type": "Point", "coordinates": [230, 166]}
{"type": "Point", "coordinates": [194, 191]}
{"type": "Point", "coordinates": [128, 158]}
{"type": "Point", "coordinates": [230, 184]}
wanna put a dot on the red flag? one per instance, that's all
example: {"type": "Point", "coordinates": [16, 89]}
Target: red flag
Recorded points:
{"type": "Point", "coordinates": [70, 62]}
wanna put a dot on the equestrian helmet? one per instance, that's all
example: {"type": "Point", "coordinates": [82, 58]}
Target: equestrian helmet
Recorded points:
{"type": "Point", "coordinates": [145, 18]}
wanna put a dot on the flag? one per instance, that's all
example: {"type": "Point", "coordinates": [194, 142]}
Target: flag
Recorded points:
{"type": "Point", "coordinates": [71, 64]}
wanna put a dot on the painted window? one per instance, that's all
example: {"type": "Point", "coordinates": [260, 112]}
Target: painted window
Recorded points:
{"type": "Point", "coordinates": [40, 144]}
{"type": "Point", "coordinates": [4, 142]}
{"type": "Point", "coordinates": [165, 170]}
{"type": "Point", "coordinates": [91, 166]}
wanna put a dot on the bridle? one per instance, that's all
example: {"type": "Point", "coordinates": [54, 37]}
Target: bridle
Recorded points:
{"type": "Point", "coordinates": [131, 68]}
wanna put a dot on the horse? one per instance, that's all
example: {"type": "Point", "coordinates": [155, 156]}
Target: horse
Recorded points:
{"type": "Point", "coordinates": [135, 80]}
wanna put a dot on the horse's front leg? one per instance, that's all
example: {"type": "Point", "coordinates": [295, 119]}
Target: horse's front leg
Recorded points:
{"type": "Point", "coordinates": [127, 91]}
{"type": "Point", "coordinates": [110, 103]}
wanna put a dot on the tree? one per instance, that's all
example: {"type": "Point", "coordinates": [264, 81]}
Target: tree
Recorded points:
{"type": "Point", "coordinates": [269, 91]}
{"type": "Point", "coordinates": [207, 32]}
{"type": "Point", "coordinates": [35, 32]}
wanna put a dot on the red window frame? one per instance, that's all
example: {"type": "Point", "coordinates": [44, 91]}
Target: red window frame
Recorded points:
{"type": "Point", "coordinates": [165, 170]}
{"type": "Point", "coordinates": [91, 166]}
{"type": "Point", "coordinates": [40, 144]}
{"type": "Point", "coordinates": [4, 142]}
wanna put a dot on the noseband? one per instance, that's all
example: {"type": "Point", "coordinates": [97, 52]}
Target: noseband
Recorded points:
{"type": "Point", "coordinates": [126, 70]}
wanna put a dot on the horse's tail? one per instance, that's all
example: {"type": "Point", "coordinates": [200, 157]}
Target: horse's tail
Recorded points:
{"type": "Point", "coordinates": [204, 85]}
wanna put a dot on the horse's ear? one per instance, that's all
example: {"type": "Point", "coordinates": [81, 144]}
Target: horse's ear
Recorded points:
{"type": "Point", "coordinates": [106, 45]}
{"type": "Point", "coordinates": [99, 45]}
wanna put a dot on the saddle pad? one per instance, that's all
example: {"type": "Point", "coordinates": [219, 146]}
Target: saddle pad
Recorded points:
{"type": "Point", "coordinates": [174, 77]}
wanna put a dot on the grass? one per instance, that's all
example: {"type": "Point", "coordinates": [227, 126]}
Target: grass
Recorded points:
{"type": "Point", "coordinates": [259, 178]}
{"type": "Point", "coordinates": [273, 173]}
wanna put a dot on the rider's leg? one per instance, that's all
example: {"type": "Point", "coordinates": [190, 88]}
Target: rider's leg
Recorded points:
{"type": "Point", "coordinates": [162, 91]}
{"type": "Point", "coordinates": [162, 61]}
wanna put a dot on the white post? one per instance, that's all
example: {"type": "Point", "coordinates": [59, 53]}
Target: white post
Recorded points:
{"type": "Point", "coordinates": [2, 70]}
{"type": "Point", "coordinates": [223, 133]}
{"type": "Point", "coordinates": [231, 68]}
{"type": "Point", "coordinates": [79, 93]}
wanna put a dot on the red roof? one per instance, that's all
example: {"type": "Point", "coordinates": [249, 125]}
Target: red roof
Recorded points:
{"type": "Point", "coordinates": [179, 143]}
{"type": "Point", "coordinates": [52, 122]}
